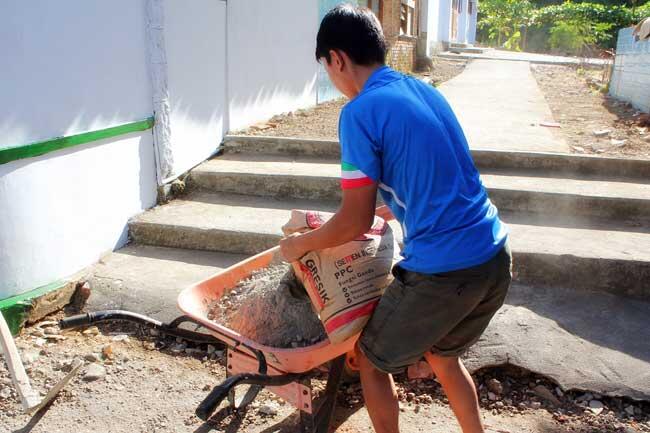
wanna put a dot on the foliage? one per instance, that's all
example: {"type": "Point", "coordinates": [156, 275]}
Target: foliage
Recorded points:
{"type": "Point", "coordinates": [503, 20]}
{"type": "Point", "coordinates": [569, 26]}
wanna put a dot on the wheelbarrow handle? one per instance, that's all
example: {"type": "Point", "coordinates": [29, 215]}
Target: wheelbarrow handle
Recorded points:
{"type": "Point", "coordinates": [220, 392]}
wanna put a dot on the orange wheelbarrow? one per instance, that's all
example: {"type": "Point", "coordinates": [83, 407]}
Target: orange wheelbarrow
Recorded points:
{"type": "Point", "coordinates": [288, 373]}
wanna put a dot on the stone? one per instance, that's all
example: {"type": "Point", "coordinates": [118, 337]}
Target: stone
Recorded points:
{"type": "Point", "coordinates": [51, 331]}
{"type": "Point", "coordinates": [178, 347]}
{"type": "Point", "coordinates": [39, 342]}
{"type": "Point", "coordinates": [211, 349]}
{"type": "Point", "coordinates": [495, 386]}
{"type": "Point", "coordinates": [91, 357]}
{"type": "Point", "coordinates": [646, 138]}
{"type": "Point", "coordinates": [535, 405]}
{"type": "Point", "coordinates": [543, 392]}
{"type": "Point", "coordinates": [492, 396]}
{"type": "Point", "coordinates": [30, 356]}
{"type": "Point", "coordinates": [5, 393]}
{"type": "Point", "coordinates": [618, 143]}
{"type": "Point", "coordinates": [121, 337]}
{"type": "Point", "coordinates": [269, 409]}
{"type": "Point", "coordinates": [602, 132]}
{"type": "Point", "coordinates": [107, 352]}
{"type": "Point", "coordinates": [579, 149]}
{"type": "Point", "coordinates": [94, 372]}
{"type": "Point", "coordinates": [149, 345]}
{"type": "Point", "coordinates": [630, 410]}
{"type": "Point", "coordinates": [596, 407]}
{"type": "Point", "coordinates": [92, 331]}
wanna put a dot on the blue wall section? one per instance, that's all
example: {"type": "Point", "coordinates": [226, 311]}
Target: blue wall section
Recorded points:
{"type": "Point", "coordinates": [631, 76]}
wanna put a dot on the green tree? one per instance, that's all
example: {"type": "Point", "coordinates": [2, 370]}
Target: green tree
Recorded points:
{"type": "Point", "coordinates": [506, 22]}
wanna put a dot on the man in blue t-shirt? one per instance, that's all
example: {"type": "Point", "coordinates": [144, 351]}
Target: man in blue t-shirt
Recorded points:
{"type": "Point", "coordinates": [399, 136]}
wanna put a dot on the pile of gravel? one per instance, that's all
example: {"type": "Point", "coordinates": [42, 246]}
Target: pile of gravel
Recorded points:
{"type": "Point", "coordinates": [270, 308]}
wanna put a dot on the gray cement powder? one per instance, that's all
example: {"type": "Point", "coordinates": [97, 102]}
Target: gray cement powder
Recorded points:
{"type": "Point", "coordinates": [270, 308]}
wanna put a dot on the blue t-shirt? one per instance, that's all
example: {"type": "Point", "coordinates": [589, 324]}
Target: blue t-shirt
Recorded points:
{"type": "Point", "coordinates": [402, 133]}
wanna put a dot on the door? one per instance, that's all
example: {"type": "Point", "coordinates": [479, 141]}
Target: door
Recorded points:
{"type": "Point", "coordinates": [455, 13]}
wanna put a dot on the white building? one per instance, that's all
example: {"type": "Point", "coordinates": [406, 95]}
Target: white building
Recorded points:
{"type": "Point", "coordinates": [446, 22]}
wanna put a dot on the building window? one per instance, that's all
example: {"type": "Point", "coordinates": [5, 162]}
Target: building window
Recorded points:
{"type": "Point", "coordinates": [471, 8]}
{"type": "Point", "coordinates": [407, 15]}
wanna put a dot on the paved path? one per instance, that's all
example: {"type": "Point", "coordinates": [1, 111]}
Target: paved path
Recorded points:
{"type": "Point", "coordinates": [544, 59]}
{"type": "Point", "coordinates": [501, 107]}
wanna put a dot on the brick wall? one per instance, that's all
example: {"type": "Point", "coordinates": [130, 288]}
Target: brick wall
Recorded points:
{"type": "Point", "coordinates": [402, 49]}
{"type": "Point", "coordinates": [631, 76]}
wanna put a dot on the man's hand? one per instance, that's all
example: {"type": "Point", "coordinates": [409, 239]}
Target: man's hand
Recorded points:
{"type": "Point", "coordinates": [291, 249]}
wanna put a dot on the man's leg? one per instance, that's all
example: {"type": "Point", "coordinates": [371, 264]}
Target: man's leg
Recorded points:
{"type": "Point", "coordinates": [380, 395]}
{"type": "Point", "coordinates": [461, 392]}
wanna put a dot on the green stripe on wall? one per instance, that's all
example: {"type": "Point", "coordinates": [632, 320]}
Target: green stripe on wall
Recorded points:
{"type": "Point", "coordinates": [42, 147]}
{"type": "Point", "coordinates": [15, 308]}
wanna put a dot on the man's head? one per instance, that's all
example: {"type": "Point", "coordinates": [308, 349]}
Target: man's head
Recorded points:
{"type": "Point", "coordinates": [350, 40]}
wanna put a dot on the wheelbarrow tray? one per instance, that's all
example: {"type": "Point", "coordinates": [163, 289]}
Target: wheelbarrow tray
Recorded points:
{"type": "Point", "coordinates": [195, 302]}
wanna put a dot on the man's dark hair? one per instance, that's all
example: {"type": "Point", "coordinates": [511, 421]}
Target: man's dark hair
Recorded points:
{"type": "Point", "coordinates": [355, 31]}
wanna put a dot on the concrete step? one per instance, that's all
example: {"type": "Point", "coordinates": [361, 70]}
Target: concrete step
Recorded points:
{"type": "Point", "coordinates": [318, 179]}
{"type": "Point", "coordinates": [549, 250]}
{"type": "Point", "coordinates": [486, 160]}
{"type": "Point", "coordinates": [467, 50]}
{"type": "Point", "coordinates": [147, 279]}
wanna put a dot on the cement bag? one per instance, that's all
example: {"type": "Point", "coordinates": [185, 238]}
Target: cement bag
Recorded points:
{"type": "Point", "coordinates": [345, 283]}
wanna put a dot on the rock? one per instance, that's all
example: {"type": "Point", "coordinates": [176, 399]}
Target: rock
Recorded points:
{"type": "Point", "coordinates": [492, 396]}
{"type": "Point", "coordinates": [5, 393]}
{"type": "Point", "coordinates": [193, 352]}
{"type": "Point", "coordinates": [269, 409]}
{"type": "Point", "coordinates": [92, 331]}
{"type": "Point", "coordinates": [602, 133]}
{"type": "Point", "coordinates": [150, 345]}
{"type": "Point", "coordinates": [39, 342]}
{"type": "Point", "coordinates": [30, 356]}
{"type": "Point", "coordinates": [495, 386]}
{"type": "Point", "coordinates": [559, 392]}
{"type": "Point", "coordinates": [178, 348]}
{"type": "Point", "coordinates": [211, 349]}
{"type": "Point", "coordinates": [596, 407]}
{"type": "Point", "coordinates": [51, 331]}
{"type": "Point", "coordinates": [585, 397]}
{"type": "Point", "coordinates": [94, 372]}
{"type": "Point", "coordinates": [579, 149]}
{"type": "Point", "coordinates": [630, 410]}
{"type": "Point", "coordinates": [535, 405]}
{"type": "Point", "coordinates": [646, 138]}
{"type": "Point", "coordinates": [107, 352]}
{"type": "Point", "coordinates": [618, 143]}
{"type": "Point", "coordinates": [91, 357]}
{"type": "Point", "coordinates": [121, 337]}
{"type": "Point", "coordinates": [545, 393]}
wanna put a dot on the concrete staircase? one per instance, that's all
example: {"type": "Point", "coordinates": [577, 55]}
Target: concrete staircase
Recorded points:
{"type": "Point", "coordinates": [575, 221]}
{"type": "Point", "coordinates": [458, 48]}
{"type": "Point", "coordinates": [580, 232]}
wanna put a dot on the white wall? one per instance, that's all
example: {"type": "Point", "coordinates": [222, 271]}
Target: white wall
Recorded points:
{"type": "Point", "coordinates": [444, 21]}
{"type": "Point", "coordinates": [631, 76]}
{"type": "Point", "coordinates": [271, 65]}
{"type": "Point", "coordinates": [61, 211]}
{"type": "Point", "coordinates": [195, 38]}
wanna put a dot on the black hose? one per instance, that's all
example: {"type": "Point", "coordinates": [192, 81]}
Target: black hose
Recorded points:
{"type": "Point", "coordinates": [128, 316]}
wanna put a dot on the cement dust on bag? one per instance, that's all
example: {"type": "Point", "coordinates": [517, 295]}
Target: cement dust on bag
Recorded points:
{"type": "Point", "coordinates": [346, 282]}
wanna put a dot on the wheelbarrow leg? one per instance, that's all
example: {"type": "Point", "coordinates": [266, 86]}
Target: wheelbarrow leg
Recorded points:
{"type": "Point", "coordinates": [325, 414]}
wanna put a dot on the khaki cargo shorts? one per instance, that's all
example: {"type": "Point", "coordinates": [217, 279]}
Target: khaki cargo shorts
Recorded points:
{"type": "Point", "coordinates": [443, 313]}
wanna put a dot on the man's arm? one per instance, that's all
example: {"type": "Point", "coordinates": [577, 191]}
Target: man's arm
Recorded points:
{"type": "Point", "coordinates": [354, 218]}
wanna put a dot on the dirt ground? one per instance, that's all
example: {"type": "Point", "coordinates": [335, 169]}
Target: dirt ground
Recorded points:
{"type": "Point", "coordinates": [591, 121]}
{"type": "Point", "coordinates": [321, 122]}
{"type": "Point", "coordinates": [153, 384]}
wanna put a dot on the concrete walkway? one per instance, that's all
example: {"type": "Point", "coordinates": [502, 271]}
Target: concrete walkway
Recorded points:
{"type": "Point", "coordinates": [541, 59]}
{"type": "Point", "coordinates": [501, 107]}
